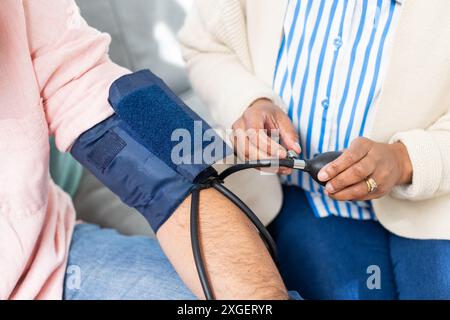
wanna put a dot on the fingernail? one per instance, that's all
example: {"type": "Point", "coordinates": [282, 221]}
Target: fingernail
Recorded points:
{"type": "Point", "coordinates": [329, 188]}
{"type": "Point", "coordinates": [323, 175]}
{"type": "Point", "coordinates": [298, 148]}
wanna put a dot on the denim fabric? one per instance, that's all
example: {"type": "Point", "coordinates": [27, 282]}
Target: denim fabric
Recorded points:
{"type": "Point", "coordinates": [104, 264]}
{"type": "Point", "coordinates": [334, 257]}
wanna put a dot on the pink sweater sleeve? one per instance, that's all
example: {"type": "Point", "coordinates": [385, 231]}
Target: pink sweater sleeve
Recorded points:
{"type": "Point", "coordinates": [72, 68]}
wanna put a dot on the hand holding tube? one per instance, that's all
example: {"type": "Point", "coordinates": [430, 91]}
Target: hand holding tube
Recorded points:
{"type": "Point", "coordinates": [253, 138]}
{"type": "Point", "coordinates": [387, 165]}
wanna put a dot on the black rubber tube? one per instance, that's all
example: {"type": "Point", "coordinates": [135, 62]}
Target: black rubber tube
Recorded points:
{"type": "Point", "coordinates": [195, 233]}
{"type": "Point", "coordinates": [196, 248]}
{"type": "Point", "coordinates": [286, 163]}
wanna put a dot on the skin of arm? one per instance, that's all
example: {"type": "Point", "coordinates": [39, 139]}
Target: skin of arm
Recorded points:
{"type": "Point", "coordinates": [237, 261]}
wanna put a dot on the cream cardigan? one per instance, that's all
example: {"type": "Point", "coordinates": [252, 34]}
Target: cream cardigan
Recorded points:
{"type": "Point", "coordinates": [230, 47]}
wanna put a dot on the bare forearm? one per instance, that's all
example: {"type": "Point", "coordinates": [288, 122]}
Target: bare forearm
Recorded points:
{"type": "Point", "coordinates": [238, 263]}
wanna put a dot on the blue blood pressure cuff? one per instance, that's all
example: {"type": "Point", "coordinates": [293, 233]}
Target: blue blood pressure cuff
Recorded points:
{"type": "Point", "coordinates": [153, 151]}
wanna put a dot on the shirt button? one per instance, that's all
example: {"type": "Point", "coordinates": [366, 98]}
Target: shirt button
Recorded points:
{"type": "Point", "coordinates": [337, 42]}
{"type": "Point", "coordinates": [325, 103]}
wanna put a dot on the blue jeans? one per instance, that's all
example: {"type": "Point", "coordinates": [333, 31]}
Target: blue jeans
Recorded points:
{"type": "Point", "coordinates": [106, 265]}
{"type": "Point", "coordinates": [339, 258]}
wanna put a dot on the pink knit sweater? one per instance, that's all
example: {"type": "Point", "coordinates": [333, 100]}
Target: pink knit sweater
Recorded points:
{"type": "Point", "coordinates": [54, 79]}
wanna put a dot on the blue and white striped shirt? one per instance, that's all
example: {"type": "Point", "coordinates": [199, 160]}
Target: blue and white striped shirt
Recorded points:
{"type": "Point", "coordinates": [329, 72]}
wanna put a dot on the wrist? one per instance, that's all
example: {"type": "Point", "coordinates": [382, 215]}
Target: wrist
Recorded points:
{"type": "Point", "coordinates": [260, 101]}
{"type": "Point", "coordinates": [404, 163]}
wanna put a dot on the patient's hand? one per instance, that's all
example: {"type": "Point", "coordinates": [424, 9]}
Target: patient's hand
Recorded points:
{"type": "Point", "coordinates": [257, 131]}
